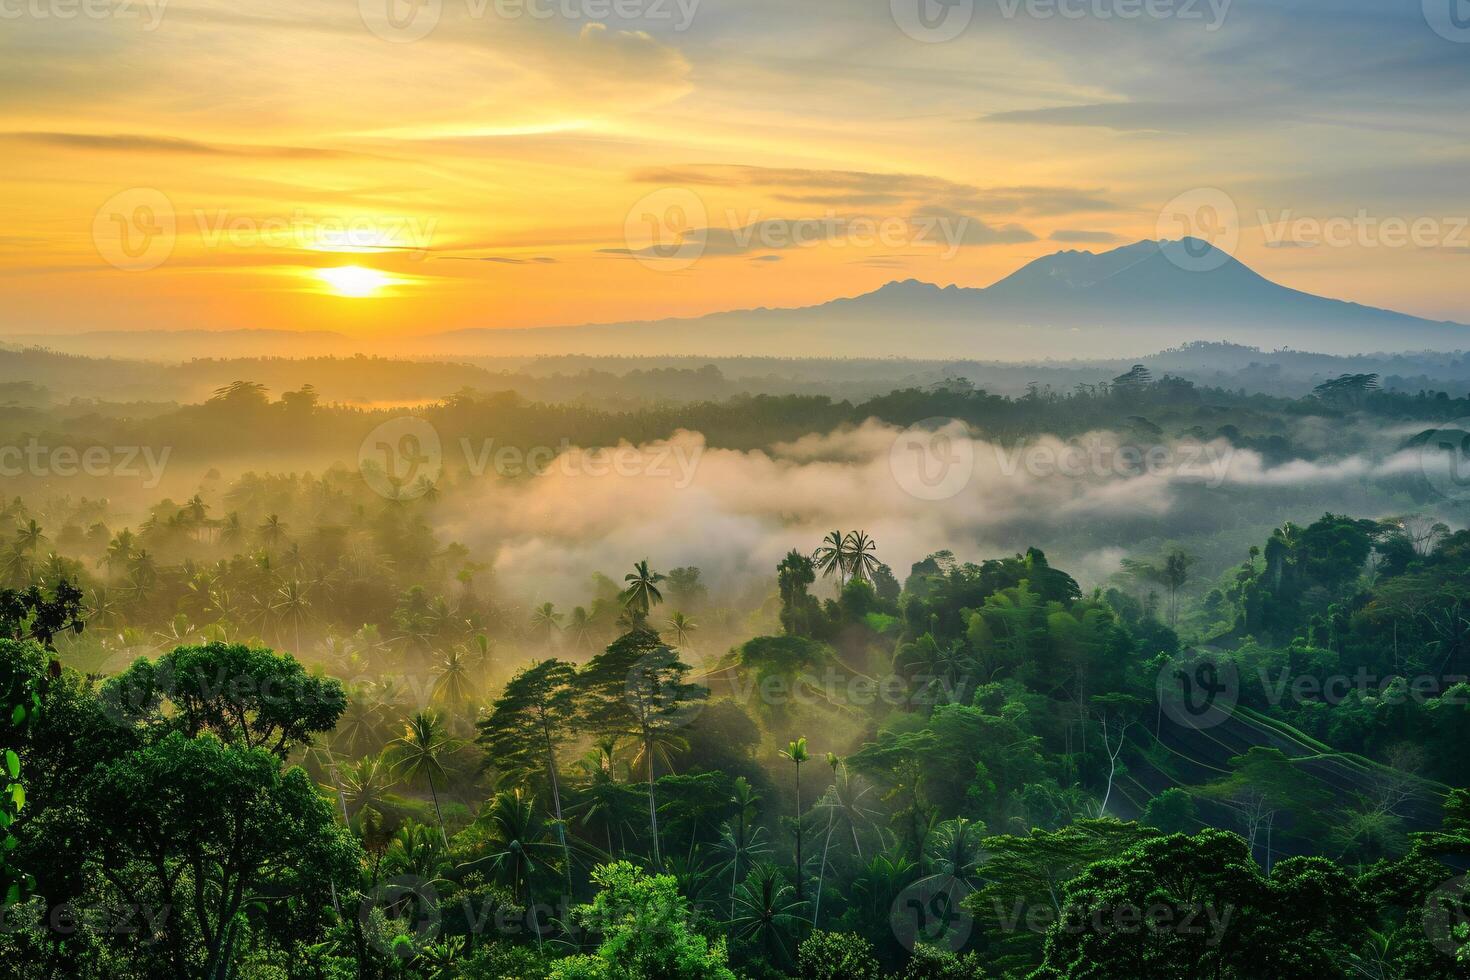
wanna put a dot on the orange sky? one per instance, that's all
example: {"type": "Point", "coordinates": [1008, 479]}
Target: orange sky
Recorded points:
{"type": "Point", "coordinates": [196, 163]}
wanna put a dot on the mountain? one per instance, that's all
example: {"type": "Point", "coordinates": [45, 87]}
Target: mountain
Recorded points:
{"type": "Point", "coordinates": [1122, 302]}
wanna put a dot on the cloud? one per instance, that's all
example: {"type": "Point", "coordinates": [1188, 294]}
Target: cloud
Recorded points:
{"type": "Point", "coordinates": [735, 513]}
{"type": "Point", "coordinates": [1083, 237]}
{"type": "Point", "coordinates": [501, 259]}
{"type": "Point", "coordinates": [136, 143]}
{"type": "Point", "coordinates": [857, 188]}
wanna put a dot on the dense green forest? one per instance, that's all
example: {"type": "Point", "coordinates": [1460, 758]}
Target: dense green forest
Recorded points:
{"type": "Point", "coordinates": [280, 723]}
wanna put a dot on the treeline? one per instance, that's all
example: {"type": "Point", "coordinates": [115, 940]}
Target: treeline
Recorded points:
{"type": "Point", "coordinates": [977, 770]}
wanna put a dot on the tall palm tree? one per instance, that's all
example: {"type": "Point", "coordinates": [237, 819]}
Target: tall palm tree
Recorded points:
{"type": "Point", "coordinates": [420, 752]}
{"type": "Point", "coordinates": [545, 621]}
{"type": "Point", "coordinates": [642, 593]}
{"type": "Point", "coordinates": [119, 550]}
{"type": "Point", "coordinates": [29, 537]}
{"type": "Point", "coordinates": [831, 558]}
{"type": "Point", "coordinates": [862, 558]}
{"type": "Point", "coordinates": [454, 687]}
{"type": "Point", "coordinates": [681, 627]}
{"type": "Point", "coordinates": [797, 753]}
{"type": "Point", "coordinates": [272, 531]}
{"type": "Point", "coordinates": [580, 628]}
{"type": "Point", "coordinates": [741, 840]}
{"type": "Point", "coordinates": [292, 607]}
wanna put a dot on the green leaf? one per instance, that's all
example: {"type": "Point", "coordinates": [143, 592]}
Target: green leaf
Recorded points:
{"type": "Point", "coordinates": [12, 763]}
{"type": "Point", "coordinates": [18, 796]}
{"type": "Point", "coordinates": [18, 715]}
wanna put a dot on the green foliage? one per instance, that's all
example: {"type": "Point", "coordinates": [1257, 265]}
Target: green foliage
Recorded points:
{"type": "Point", "coordinates": [646, 932]}
{"type": "Point", "coordinates": [836, 956]}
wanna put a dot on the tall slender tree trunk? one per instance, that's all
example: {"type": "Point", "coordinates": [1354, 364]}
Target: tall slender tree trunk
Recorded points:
{"type": "Point", "coordinates": [798, 834]}
{"type": "Point", "coordinates": [434, 795]}
{"type": "Point", "coordinates": [658, 861]}
{"type": "Point", "coordinates": [561, 831]}
{"type": "Point", "coordinates": [822, 871]}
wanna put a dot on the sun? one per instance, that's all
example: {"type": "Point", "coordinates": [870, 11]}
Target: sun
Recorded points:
{"type": "Point", "coordinates": [355, 281]}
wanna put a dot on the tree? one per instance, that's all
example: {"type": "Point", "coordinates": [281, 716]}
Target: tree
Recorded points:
{"type": "Point", "coordinates": [250, 696]}
{"type": "Point", "coordinates": [796, 753]}
{"type": "Point", "coordinates": [209, 830]}
{"type": "Point", "coordinates": [420, 752]}
{"type": "Point", "coordinates": [526, 725]}
{"type": "Point", "coordinates": [646, 930]}
{"type": "Point", "coordinates": [546, 621]}
{"type": "Point", "coordinates": [862, 560]}
{"type": "Point", "coordinates": [1198, 906]}
{"type": "Point", "coordinates": [682, 628]}
{"type": "Point", "coordinates": [29, 614]}
{"type": "Point", "coordinates": [642, 593]}
{"type": "Point", "coordinates": [830, 558]}
{"type": "Point", "coordinates": [767, 911]}
{"type": "Point", "coordinates": [637, 687]}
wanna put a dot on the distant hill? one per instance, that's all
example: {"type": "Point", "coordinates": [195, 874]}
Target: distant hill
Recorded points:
{"type": "Point", "coordinates": [1123, 302]}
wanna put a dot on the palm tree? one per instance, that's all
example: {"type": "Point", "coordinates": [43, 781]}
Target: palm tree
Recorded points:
{"type": "Point", "coordinates": [119, 550]}
{"type": "Point", "coordinates": [272, 531]}
{"type": "Point", "coordinates": [831, 558]}
{"type": "Point", "coordinates": [545, 621]}
{"type": "Point", "coordinates": [766, 911]}
{"type": "Point", "coordinates": [365, 783]}
{"type": "Point", "coordinates": [420, 752]}
{"type": "Point", "coordinates": [862, 560]}
{"type": "Point", "coordinates": [681, 627]}
{"type": "Point", "coordinates": [742, 841]}
{"type": "Point", "coordinates": [797, 753]}
{"type": "Point", "coordinates": [580, 629]}
{"type": "Point", "coordinates": [516, 836]}
{"type": "Point", "coordinates": [291, 606]}
{"type": "Point", "coordinates": [642, 593]}
{"type": "Point", "coordinates": [453, 685]}
{"type": "Point", "coordinates": [29, 537]}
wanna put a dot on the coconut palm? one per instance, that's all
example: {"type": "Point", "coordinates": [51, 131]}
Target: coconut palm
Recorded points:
{"type": "Point", "coordinates": [420, 752]}
{"type": "Point", "coordinates": [580, 629]}
{"type": "Point", "coordinates": [545, 621]}
{"type": "Point", "coordinates": [642, 593]}
{"type": "Point", "coordinates": [862, 559]}
{"type": "Point", "coordinates": [831, 558]}
{"type": "Point", "coordinates": [272, 531]}
{"type": "Point", "coordinates": [454, 686]}
{"type": "Point", "coordinates": [291, 607]}
{"type": "Point", "coordinates": [681, 627]}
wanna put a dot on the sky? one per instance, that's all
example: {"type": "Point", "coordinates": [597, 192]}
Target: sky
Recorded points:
{"type": "Point", "coordinates": [402, 167]}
